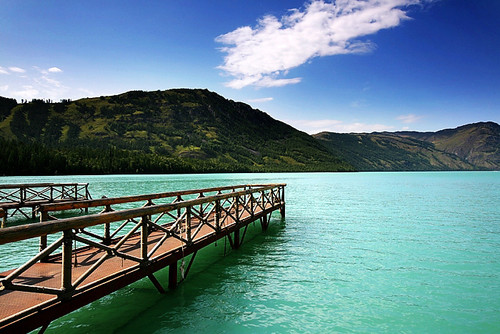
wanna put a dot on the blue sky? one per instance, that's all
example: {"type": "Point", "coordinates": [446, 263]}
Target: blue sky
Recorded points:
{"type": "Point", "coordinates": [343, 66]}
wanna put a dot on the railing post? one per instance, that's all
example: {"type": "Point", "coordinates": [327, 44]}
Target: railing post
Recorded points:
{"type": "Point", "coordinates": [87, 193]}
{"type": "Point", "coordinates": [144, 238]}
{"type": "Point", "coordinates": [263, 202]}
{"type": "Point", "coordinates": [107, 234]}
{"type": "Point", "coordinates": [201, 205]}
{"type": "Point", "coordinates": [22, 194]}
{"type": "Point", "coordinates": [179, 199]}
{"type": "Point", "coordinates": [67, 252]}
{"type": "Point", "coordinates": [3, 213]}
{"type": "Point", "coordinates": [252, 209]}
{"type": "Point", "coordinates": [217, 215]}
{"type": "Point", "coordinates": [43, 239]}
{"type": "Point", "coordinates": [188, 223]}
{"type": "Point", "coordinates": [237, 204]}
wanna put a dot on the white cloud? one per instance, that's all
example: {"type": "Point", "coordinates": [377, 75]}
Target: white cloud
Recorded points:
{"type": "Point", "coordinates": [28, 92]}
{"type": "Point", "coordinates": [263, 99]}
{"type": "Point", "coordinates": [3, 70]}
{"type": "Point", "coordinates": [51, 82]}
{"type": "Point", "coordinates": [49, 70]}
{"type": "Point", "coordinates": [259, 56]}
{"type": "Point", "coordinates": [333, 125]}
{"type": "Point", "coordinates": [407, 119]}
{"type": "Point", "coordinates": [34, 82]}
{"type": "Point", "coordinates": [17, 69]}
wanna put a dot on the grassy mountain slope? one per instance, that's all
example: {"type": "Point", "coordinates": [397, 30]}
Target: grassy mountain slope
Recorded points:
{"type": "Point", "coordinates": [478, 143]}
{"type": "Point", "coordinates": [390, 152]}
{"type": "Point", "coordinates": [180, 130]}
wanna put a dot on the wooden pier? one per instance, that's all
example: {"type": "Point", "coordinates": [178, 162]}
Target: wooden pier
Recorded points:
{"type": "Point", "coordinates": [18, 197]}
{"type": "Point", "coordinates": [101, 253]}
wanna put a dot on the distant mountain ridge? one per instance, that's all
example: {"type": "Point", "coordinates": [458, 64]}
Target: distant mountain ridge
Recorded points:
{"type": "Point", "coordinates": [198, 131]}
{"type": "Point", "coordinates": [470, 147]}
{"type": "Point", "coordinates": [477, 143]}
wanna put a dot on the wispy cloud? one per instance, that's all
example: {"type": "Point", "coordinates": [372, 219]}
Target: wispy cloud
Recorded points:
{"type": "Point", "coordinates": [17, 69]}
{"type": "Point", "coordinates": [358, 104]}
{"type": "Point", "coordinates": [28, 92]}
{"type": "Point", "coordinates": [54, 70]}
{"type": "Point", "coordinates": [263, 99]}
{"type": "Point", "coordinates": [407, 119]}
{"type": "Point", "coordinates": [332, 125]}
{"type": "Point", "coordinates": [262, 55]}
{"type": "Point", "coordinates": [34, 82]}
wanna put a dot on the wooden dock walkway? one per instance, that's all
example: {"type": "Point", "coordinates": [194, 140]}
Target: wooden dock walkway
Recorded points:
{"type": "Point", "coordinates": [135, 243]}
{"type": "Point", "coordinates": [18, 197]}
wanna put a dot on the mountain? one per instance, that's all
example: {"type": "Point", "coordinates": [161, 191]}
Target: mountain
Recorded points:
{"type": "Point", "coordinates": [469, 147]}
{"type": "Point", "coordinates": [179, 130]}
{"type": "Point", "coordinates": [198, 131]}
{"type": "Point", "coordinates": [478, 143]}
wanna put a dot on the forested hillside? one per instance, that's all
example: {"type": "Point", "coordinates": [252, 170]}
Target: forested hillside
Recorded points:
{"type": "Point", "coordinates": [198, 131]}
{"type": "Point", "coordinates": [174, 131]}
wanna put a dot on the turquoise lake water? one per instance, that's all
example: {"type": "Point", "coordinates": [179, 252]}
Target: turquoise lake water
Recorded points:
{"type": "Point", "coordinates": [357, 252]}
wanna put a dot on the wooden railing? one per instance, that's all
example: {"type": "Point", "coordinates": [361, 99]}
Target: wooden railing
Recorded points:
{"type": "Point", "coordinates": [34, 192]}
{"type": "Point", "coordinates": [140, 236]}
{"type": "Point", "coordinates": [147, 200]}
{"type": "Point", "coordinates": [19, 196]}
{"type": "Point", "coordinates": [46, 211]}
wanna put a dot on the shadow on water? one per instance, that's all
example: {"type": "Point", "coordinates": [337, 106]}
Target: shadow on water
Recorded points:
{"type": "Point", "coordinates": [215, 267]}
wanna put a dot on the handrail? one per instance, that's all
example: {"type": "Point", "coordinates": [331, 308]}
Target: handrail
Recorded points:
{"type": "Point", "coordinates": [22, 232]}
{"type": "Point", "coordinates": [33, 185]}
{"type": "Point", "coordinates": [135, 198]}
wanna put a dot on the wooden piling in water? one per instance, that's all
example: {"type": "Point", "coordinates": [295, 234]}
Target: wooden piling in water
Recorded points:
{"type": "Point", "coordinates": [172, 275]}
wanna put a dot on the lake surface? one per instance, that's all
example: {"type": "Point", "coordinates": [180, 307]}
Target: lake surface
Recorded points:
{"type": "Point", "coordinates": [357, 252]}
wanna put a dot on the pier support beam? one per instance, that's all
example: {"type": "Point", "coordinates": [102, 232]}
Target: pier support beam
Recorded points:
{"type": "Point", "coordinates": [236, 240]}
{"type": "Point", "coordinates": [172, 275]}
{"type": "Point", "coordinates": [155, 282]}
{"type": "Point", "coordinates": [264, 222]}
